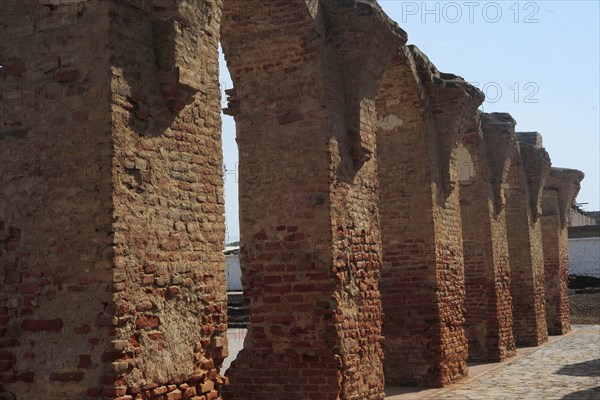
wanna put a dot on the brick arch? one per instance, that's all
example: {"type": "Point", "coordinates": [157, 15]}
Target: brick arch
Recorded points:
{"type": "Point", "coordinates": [488, 303]}
{"type": "Point", "coordinates": [529, 169]}
{"type": "Point", "coordinates": [560, 191]}
{"type": "Point", "coordinates": [149, 317]}
{"type": "Point", "coordinates": [422, 115]}
{"type": "Point", "coordinates": [144, 317]}
{"type": "Point", "coordinates": [305, 76]}
{"type": "Point", "coordinates": [405, 206]}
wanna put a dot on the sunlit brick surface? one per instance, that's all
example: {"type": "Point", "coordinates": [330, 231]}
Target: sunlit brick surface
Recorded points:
{"type": "Point", "coordinates": [421, 117]}
{"type": "Point", "coordinates": [389, 230]}
{"type": "Point", "coordinates": [311, 247]}
{"type": "Point", "coordinates": [488, 319]}
{"type": "Point", "coordinates": [113, 272]}
{"type": "Point", "coordinates": [528, 172]}
{"type": "Point", "coordinates": [559, 193]}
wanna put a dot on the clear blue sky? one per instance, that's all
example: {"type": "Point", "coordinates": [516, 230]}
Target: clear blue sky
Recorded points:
{"type": "Point", "coordinates": [537, 60]}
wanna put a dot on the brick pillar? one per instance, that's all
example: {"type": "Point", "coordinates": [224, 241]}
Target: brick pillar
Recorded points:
{"type": "Point", "coordinates": [483, 163]}
{"type": "Point", "coordinates": [528, 172]}
{"type": "Point", "coordinates": [111, 225]}
{"type": "Point", "coordinates": [421, 117]}
{"type": "Point", "coordinates": [310, 241]}
{"type": "Point", "coordinates": [559, 193]}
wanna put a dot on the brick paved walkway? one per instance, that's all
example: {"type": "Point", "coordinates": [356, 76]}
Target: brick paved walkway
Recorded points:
{"type": "Point", "coordinates": [566, 368]}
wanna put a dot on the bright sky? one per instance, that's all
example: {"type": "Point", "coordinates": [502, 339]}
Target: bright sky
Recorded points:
{"type": "Point", "coordinates": [537, 60]}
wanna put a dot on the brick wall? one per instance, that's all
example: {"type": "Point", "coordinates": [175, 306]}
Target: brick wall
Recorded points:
{"type": "Point", "coordinates": [408, 280]}
{"type": "Point", "coordinates": [552, 259]}
{"type": "Point", "coordinates": [559, 193]}
{"type": "Point", "coordinates": [55, 208]}
{"type": "Point", "coordinates": [113, 274]}
{"type": "Point", "coordinates": [311, 248]}
{"type": "Point", "coordinates": [167, 198]}
{"type": "Point", "coordinates": [528, 172]}
{"type": "Point", "coordinates": [488, 303]}
{"type": "Point", "coordinates": [111, 220]}
{"type": "Point", "coordinates": [423, 279]}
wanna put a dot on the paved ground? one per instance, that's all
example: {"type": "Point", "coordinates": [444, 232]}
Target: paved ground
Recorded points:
{"type": "Point", "coordinates": [235, 338]}
{"type": "Point", "coordinates": [568, 367]}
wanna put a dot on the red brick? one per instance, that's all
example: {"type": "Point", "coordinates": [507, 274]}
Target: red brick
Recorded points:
{"type": "Point", "coordinates": [74, 376]}
{"type": "Point", "coordinates": [147, 321]}
{"type": "Point", "coordinates": [13, 69]}
{"type": "Point", "coordinates": [289, 118]}
{"type": "Point", "coordinates": [26, 377]}
{"type": "Point", "coordinates": [85, 361]}
{"type": "Point", "coordinates": [30, 287]}
{"type": "Point", "coordinates": [67, 75]}
{"type": "Point", "coordinates": [49, 325]}
{"type": "Point", "coordinates": [83, 329]}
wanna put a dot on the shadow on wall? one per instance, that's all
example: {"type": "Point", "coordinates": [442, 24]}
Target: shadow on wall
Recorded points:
{"type": "Point", "coordinates": [154, 104]}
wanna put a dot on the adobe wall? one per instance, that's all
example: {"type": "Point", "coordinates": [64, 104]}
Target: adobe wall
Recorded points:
{"type": "Point", "coordinates": [485, 156]}
{"type": "Point", "coordinates": [528, 172]}
{"type": "Point", "coordinates": [111, 212]}
{"type": "Point", "coordinates": [560, 191]}
{"type": "Point", "coordinates": [421, 118]}
{"type": "Point", "coordinates": [311, 247]}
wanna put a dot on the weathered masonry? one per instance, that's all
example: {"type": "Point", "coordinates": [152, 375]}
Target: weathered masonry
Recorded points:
{"type": "Point", "coordinates": [483, 164]}
{"type": "Point", "coordinates": [528, 171]}
{"type": "Point", "coordinates": [111, 202]}
{"type": "Point", "coordinates": [560, 191]}
{"type": "Point", "coordinates": [311, 246]}
{"type": "Point", "coordinates": [422, 116]}
{"type": "Point", "coordinates": [390, 231]}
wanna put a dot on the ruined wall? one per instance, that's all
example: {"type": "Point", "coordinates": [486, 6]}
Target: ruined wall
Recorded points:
{"type": "Point", "coordinates": [308, 196]}
{"type": "Point", "coordinates": [528, 173]}
{"type": "Point", "coordinates": [408, 279]}
{"type": "Point", "coordinates": [559, 193]}
{"type": "Point", "coordinates": [553, 255]}
{"type": "Point", "coordinates": [423, 278]}
{"type": "Point", "coordinates": [111, 220]}
{"type": "Point", "coordinates": [127, 297]}
{"type": "Point", "coordinates": [170, 292]}
{"type": "Point", "coordinates": [488, 303]}
{"type": "Point", "coordinates": [453, 103]}
{"type": "Point", "coordinates": [55, 202]}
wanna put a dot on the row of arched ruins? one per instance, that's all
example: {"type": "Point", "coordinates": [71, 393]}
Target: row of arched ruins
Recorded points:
{"type": "Point", "coordinates": [390, 231]}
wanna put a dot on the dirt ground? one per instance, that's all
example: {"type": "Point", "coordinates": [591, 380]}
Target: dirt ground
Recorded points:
{"type": "Point", "coordinates": [585, 308]}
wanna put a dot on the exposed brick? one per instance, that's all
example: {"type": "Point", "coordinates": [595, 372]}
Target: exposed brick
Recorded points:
{"type": "Point", "coordinates": [422, 285]}
{"type": "Point", "coordinates": [295, 234]}
{"type": "Point", "coordinates": [13, 69]}
{"type": "Point", "coordinates": [26, 377]}
{"type": "Point", "coordinates": [289, 117]}
{"type": "Point", "coordinates": [147, 321]}
{"type": "Point", "coordinates": [560, 191]}
{"type": "Point", "coordinates": [74, 376]}
{"type": "Point", "coordinates": [528, 172]}
{"type": "Point", "coordinates": [116, 213]}
{"type": "Point", "coordinates": [67, 75]}
{"type": "Point", "coordinates": [82, 330]}
{"type": "Point", "coordinates": [488, 302]}
{"type": "Point", "coordinates": [39, 325]}
{"type": "Point", "coordinates": [85, 361]}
